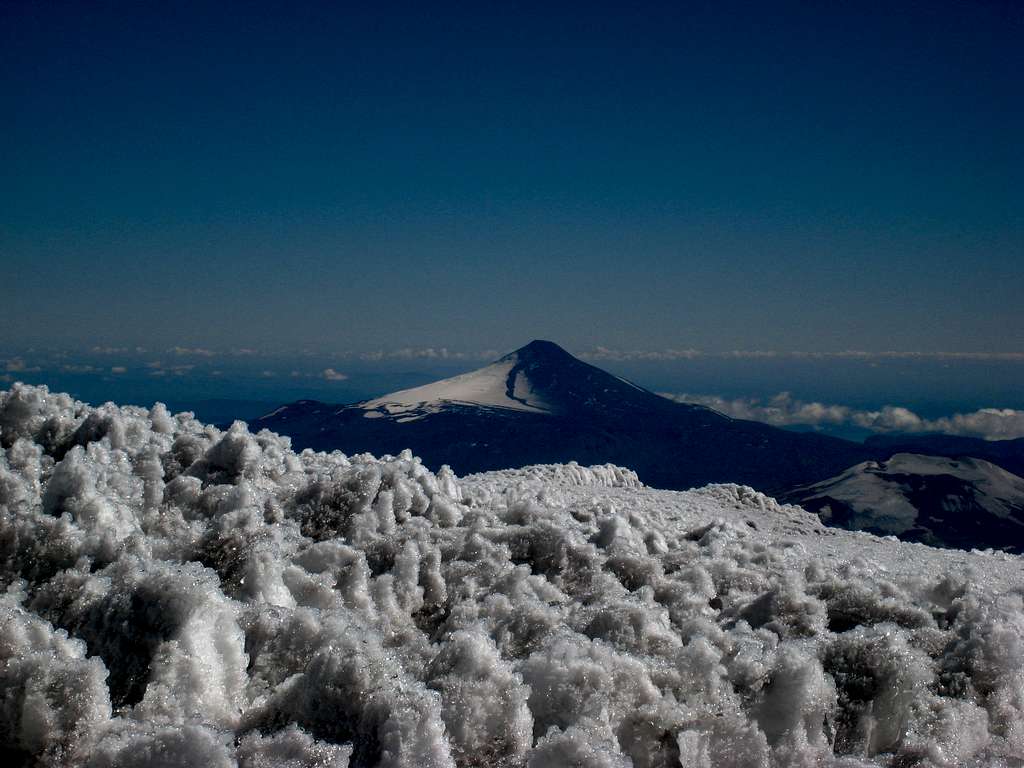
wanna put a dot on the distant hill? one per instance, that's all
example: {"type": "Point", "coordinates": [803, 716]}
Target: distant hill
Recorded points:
{"type": "Point", "coordinates": [1008, 454]}
{"type": "Point", "coordinates": [221, 410]}
{"type": "Point", "coordinates": [962, 503]}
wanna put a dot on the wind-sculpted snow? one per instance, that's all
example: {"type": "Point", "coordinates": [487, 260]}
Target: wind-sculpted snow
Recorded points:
{"type": "Point", "coordinates": [176, 595]}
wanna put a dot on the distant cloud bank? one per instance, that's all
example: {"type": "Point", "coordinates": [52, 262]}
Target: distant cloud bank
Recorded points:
{"type": "Point", "coordinates": [17, 365]}
{"type": "Point", "coordinates": [35, 360]}
{"type": "Point", "coordinates": [426, 353]}
{"type": "Point", "coordinates": [605, 353]}
{"type": "Point", "coordinates": [785, 410]}
{"type": "Point", "coordinates": [192, 352]}
{"type": "Point", "coordinates": [332, 375]}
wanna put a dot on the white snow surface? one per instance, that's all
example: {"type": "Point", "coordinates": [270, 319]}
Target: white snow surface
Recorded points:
{"type": "Point", "coordinates": [177, 595]}
{"type": "Point", "coordinates": [486, 387]}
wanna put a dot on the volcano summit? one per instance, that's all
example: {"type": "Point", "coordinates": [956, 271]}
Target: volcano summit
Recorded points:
{"type": "Point", "coordinates": [540, 404]}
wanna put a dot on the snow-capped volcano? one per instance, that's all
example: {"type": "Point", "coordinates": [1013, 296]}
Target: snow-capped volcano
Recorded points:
{"type": "Point", "coordinates": [498, 385]}
{"type": "Point", "coordinates": [540, 404]}
{"type": "Point", "coordinates": [503, 384]}
{"type": "Point", "coordinates": [538, 378]}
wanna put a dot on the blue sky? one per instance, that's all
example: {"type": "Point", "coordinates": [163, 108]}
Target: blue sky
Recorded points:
{"type": "Point", "coordinates": [716, 176]}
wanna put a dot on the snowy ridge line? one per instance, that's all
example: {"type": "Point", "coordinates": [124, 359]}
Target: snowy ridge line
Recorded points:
{"type": "Point", "coordinates": [178, 595]}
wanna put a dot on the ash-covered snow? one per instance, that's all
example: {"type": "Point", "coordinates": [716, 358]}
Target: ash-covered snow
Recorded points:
{"type": "Point", "coordinates": [175, 595]}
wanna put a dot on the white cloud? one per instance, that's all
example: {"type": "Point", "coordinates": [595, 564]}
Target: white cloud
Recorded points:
{"type": "Point", "coordinates": [751, 354]}
{"type": "Point", "coordinates": [118, 369]}
{"type": "Point", "coordinates": [428, 353]}
{"type": "Point", "coordinates": [891, 418]}
{"type": "Point", "coordinates": [191, 352]}
{"type": "Point", "coordinates": [159, 369]}
{"type": "Point", "coordinates": [605, 353]}
{"type": "Point", "coordinates": [17, 365]}
{"type": "Point", "coordinates": [859, 354]}
{"type": "Point", "coordinates": [990, 423]}
{"type": "Point", "coordinates": [784, 410]}
{"type": "Point", "coordinates": [781, 410]}
{"type": "Point", "coordinates": [332, 375]}
{"type": "Point", "coordinates": [99, 350]}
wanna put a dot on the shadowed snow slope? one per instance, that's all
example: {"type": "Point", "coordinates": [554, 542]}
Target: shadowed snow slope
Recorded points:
{"type": "Point", "coordinates": [955, 502]}
{"type": "Point", "coordinates": [178, 595]}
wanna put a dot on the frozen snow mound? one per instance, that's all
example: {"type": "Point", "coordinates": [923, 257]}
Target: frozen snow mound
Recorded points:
{"type": "Point", "coordinates": [178, 595]}
{"type": "Point", "coordinates": [571, 474]}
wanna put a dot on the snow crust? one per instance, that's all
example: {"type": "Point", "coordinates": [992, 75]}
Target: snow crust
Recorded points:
{"type": "Point", "coordinates": [488, 387]}
{"type": "Point", "coordinates": [177, 595]}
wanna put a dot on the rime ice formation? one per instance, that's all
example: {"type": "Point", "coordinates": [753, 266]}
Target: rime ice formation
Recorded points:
{"type": "Point", "coordinates": [177, 595]}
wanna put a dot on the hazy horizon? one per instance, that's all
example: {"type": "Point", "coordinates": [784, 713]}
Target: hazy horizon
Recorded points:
{"type": "Point", "coordinates": [832, 393]}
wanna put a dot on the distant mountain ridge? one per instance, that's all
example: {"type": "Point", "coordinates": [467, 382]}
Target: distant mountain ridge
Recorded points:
{"type": "Point", "coordinates": [932, 499]}
{"type": "Point", "coordinates": [1008, 454]}
{"type": "Point", "coordinates": [540, 404]}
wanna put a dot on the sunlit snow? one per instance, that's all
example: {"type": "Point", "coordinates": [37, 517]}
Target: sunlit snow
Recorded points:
{"type": "Point", "coordinates": [488, 386]}
{"type": "Point", "coordinates": [179, 595]}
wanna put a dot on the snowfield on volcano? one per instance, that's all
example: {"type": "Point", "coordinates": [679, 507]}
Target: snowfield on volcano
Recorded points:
{"type": "Point", "coordinates": [177, 595]}
{"type": "Point", "coordinates": [497, 385]}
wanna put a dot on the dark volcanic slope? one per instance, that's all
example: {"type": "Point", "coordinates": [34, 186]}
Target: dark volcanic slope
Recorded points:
{"type": "Point", "coordinates": [540, 404]}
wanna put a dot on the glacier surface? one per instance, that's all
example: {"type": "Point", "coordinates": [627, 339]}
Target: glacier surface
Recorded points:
{"type": "Point", "coordinates": [176, 595]}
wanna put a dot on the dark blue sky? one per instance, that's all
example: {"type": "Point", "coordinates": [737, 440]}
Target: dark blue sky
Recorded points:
{"type": "Point", "coordinates": [722, 176]}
